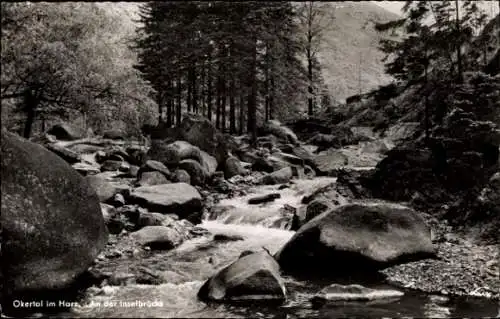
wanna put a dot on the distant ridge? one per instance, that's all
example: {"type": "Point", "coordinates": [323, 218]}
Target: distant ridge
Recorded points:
{"type": "Point", "coordinates": [350, 42]}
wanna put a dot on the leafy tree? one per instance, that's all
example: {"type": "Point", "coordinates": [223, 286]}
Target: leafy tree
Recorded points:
{"type": "Point", "coordinates": [314, 19]}
{"type": "Point", "coordinates": [54, 62]}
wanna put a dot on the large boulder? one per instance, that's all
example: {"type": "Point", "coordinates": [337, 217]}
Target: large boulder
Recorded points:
{"type": "Point", "coordinates": [104, 188]}
{"type": "Point", "coordinates": [358, 237]}
{"type": "Point", "coordinates": [197, 173]}
{"type": "Point", "coordinates": [181, 176]}
{"type": "Point", "coordinates": [233, 167]}
{"type": "Point", "coordinates": [209, 163]}
{"type": "Point", "coordinates": [281, 176]}
{"type": "Point", "coordinates": [136, 154]}
{"type": "Point", "coordinates": [111, 166]}
{"type": "Point", "coordinates": [152, 178]}
{"type": "Point", "coordinates": [173, 153]}
{"type": "Point", "coordinates": [288, 158]}
{"type": "Point", "coordinates": [155, 219]}
{"type": "Point", "coordinates": [66, 132]}
{"type": "Point", "coordinates": [254, 276]}
{"type": "Point", "coordinates": [176, 198]}
{"type": "Point", "coordinates": [247, 156]}
{"type": "Point", "coordinates": [269, 164]}
{"type": "Point", "coordinates": [306, 128]}
{"type": "Point", "coordinates": [160, 132]}
{"type": "Point", "coordinates": [267, 141]}
{"type": "Point", "coordinates": [275, 128]}
{"type": "Point", "coordinates": [403, 172]}
{"type": "Point", "coordinates": [352, 183]}
{"type": "Point", "coordinates": [52, 225]}
{"type": "Point", "coordinates": [344, 135]}
{"type": "Point", "coordinates": [199, 131]}
{"type": "Point", "coordinates": [114, 134]}
{"type": "Point", "coordinates": [87, 169]}
{"type": "Point", "coordinates": [159, 237]}
{"type": "Point", "coordinates": [66, 154]}
{"type": "Point", "coordinates": [330, 162]}
{"type": "Point", "coordinates": [338, 137]}
{"type": "Point", "coordinates": [154, 166]}
{"type": "Point", "coordinates": [313, 209]}
{"type": "Point", "coordinates": [301, 152]}
{"type": "Point", "coordinates": [317, 202]}
{"type": "Point", "coordinates": [324, 141]}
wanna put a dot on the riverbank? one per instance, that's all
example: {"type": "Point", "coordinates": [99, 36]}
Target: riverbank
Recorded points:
{"type": "Point", "coordinates": [464, 268]}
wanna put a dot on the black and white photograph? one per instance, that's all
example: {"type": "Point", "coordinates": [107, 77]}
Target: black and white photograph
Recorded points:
{"type": "Point", "coordinates": [250, 159]}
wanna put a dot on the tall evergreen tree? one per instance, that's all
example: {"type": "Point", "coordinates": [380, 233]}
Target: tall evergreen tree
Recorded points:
{"type": "Point", "coordinates": [230, 47]}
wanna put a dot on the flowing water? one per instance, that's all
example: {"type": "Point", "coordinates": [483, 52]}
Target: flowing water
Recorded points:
{"type": "Point", "coordinates": [189, 265]}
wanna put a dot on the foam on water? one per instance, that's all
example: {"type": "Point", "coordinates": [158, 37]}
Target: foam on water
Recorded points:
{"type": "Point", "coordinates": [141, 301]}
{"type": "Point", "coordinates": [196, 259]}
{"type": "Point", "coordinates": [187, 267]}
{"type": "Point", "coordinates": [267, 214]}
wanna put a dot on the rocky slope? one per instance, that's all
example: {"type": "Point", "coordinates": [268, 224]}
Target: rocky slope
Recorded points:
{"type": "Point", "coordinates": [350, 58]}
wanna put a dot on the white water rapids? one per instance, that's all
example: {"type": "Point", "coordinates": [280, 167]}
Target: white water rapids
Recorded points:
{"type": "Point", "coordinates": [187, 267]}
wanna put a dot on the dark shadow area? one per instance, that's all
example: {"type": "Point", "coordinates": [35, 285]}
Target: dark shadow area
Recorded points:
{"type": "Point", "coordinates": [47, 301]}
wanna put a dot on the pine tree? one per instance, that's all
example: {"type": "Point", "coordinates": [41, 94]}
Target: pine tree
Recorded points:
{"type": "Point", "coordinates": [237, 54]}
{"type": "Point", "coordinates": [314, 19]}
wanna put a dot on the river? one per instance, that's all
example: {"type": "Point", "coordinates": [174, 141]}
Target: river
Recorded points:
{"type": "Point", "coordinates": [189, 265]}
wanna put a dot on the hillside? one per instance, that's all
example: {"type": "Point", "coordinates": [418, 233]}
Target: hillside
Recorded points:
{"type": "Point", "coordinates": [340, 56]}
{"type": "Point", "coordinates": [350, 41]}
{"type": "Point", "coordinates": [408, 104]}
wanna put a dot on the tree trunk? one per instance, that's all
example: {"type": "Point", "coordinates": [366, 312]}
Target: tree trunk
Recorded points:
{"type": "Point", "coordinates": [44, 124]}
{"type": "Point", "coordinates": [266, 87]}
{"type": "Point", "coordinates": [310, 86]}
{"type": "Point", "coordinates": [30, 119]}
{"type": "Point", "coordinates": [190, 91]}
{"type": "Point", "coordinates": [172, 99]}
{"type": "Point", "coordinates": [310, 60]}
{"type": "Point", "coordinates": [242, 109]}
{"type": "Point", "coordinates": [427, 106]}
{"type": "Point", "coordinates": [232, 111]}
{"type": "Point", "coordinates": [485, 56]}
{"type": "Point", "coordinates": [223, 74]}
{"type": "Point", "coordinates": [179, 100]}
{"type": "Point", "coordinates": [170, 104]}
{"type": "Point", "coordinates": [209, 87]}
{"type": "Point", "coordinates": [159, 101]}
{"type": "Point", "coordinates": [195, 95]}
{"type": "Point", "coordinates": [219, 101]}
{"type": "Point", "coordinates": [271, 99]}
{"type": "Point", "coordinates": [252, 97]}
{"type": "Point", "coordinates": [30, 104]}
{"type": "Point", "coordinates": [458, 44]}
{"type": "Point", "coordinates": [223, 105]}
{"type": "Point", "coordinates": [202, 89]}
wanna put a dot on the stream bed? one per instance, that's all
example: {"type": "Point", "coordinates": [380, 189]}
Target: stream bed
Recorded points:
{"type": "Point", "coordinates": [185, 269]}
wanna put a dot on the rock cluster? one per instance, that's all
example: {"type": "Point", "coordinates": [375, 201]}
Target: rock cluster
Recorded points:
{"type": "Point", "coordinates": [52, 225]}
{"type": "Point", "coordinates": [463, 154]}
{"type": "Point", "coordinates": [151, 198]}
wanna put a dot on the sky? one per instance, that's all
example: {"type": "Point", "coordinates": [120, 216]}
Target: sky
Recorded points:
{"type": "Point", "coordinates": [490, 6]}
{"type": "Point", "coordinates": [393, 6]}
